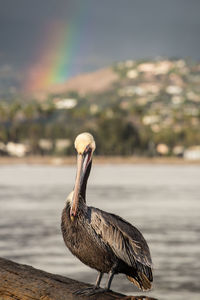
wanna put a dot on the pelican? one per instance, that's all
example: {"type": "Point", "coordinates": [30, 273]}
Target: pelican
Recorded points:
{"type": "Point", "coordinates": [102, 240]}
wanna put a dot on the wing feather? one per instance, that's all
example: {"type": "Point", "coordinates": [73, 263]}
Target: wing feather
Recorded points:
{"type": "Point", "coordinates": [125, 240]}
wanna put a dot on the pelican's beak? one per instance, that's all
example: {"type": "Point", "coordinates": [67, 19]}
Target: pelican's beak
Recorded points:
{"type": "Point", "coordinates": [82, 164]}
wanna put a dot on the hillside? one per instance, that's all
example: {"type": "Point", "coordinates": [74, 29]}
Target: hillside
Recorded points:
{"type": "Point", "coordinates": [93, 82]}
{"type": "Point", "coordinates": [135, 107]}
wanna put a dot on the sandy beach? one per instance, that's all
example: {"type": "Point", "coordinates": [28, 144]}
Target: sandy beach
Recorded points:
{"type": "Point", "coordinates": [71, 160]}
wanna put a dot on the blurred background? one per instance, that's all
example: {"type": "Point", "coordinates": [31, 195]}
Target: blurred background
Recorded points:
{"type": "Point", "coordinates": [128, 71]}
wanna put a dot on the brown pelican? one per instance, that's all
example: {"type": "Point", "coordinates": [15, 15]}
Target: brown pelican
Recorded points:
{"type": "Point", "coordinates": [102, 240]}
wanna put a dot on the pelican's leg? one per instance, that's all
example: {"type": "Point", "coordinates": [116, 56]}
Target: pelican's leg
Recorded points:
{"type": "Point", "coordinates": [110, 278]}
{"type": "Point", "coordinates": [96, 289]}
{"type": "Point", "coordinates": [98, 281]}
{"type": "Point", "coordinates": [111, 274]}
{"type": "Point", "coordinates": [91, 290]}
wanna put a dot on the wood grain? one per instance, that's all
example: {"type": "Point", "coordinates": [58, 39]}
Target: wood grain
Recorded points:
{"type": "Point", "coordinates": [23, 282]}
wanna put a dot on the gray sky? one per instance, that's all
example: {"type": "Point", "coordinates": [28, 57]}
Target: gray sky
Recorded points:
{"type": "Point", "coordinates": [112, 30]}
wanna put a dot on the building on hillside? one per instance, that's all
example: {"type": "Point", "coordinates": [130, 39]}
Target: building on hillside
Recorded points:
{"type": "Point", "coordinates": [17, 149]}
{"type": "Point", "coordinates": [61, 145]}
{"type": "Point", "coordinates": [68, 103]}
{"type": "Point", "coordinates": [162, 149]}
{"type": "Point", "coordinates": [46, 145]}
{"type": "Point", "coordinates": [192, 153]}
{"type": "Point", "coordinates": [178, 151]}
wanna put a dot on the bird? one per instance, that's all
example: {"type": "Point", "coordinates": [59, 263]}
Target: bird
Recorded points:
{"type": "Point", "coordinates": [102, 240]}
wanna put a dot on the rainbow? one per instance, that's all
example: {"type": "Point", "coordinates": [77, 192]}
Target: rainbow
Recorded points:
{"type": "Point", "coordinates": [56, 55]}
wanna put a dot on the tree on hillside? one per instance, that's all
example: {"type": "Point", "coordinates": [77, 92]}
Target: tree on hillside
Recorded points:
{"type": "Point", "coordinates": [116, 136]}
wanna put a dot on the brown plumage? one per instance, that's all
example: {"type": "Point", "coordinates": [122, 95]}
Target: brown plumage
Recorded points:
{"type": "Point", "coordinates": [102, 240]}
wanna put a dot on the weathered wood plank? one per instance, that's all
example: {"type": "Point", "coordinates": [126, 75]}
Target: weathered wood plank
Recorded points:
{"type": "Point", "coordinates": [23, 282]}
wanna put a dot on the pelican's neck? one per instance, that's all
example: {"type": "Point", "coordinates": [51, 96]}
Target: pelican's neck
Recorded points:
{"type": "Point", "coordinates": [82, 207]}
{"type": "Point", "coordinates": [84, 182]}
{"type": "Point", "coordinates": [82, 192]}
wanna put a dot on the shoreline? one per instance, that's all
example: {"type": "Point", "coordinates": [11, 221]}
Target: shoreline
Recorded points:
{"type": "Point", "coordinates": [99, 160]}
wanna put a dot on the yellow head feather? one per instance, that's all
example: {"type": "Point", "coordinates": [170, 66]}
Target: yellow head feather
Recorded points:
{"type": "Point", "coordinates": [82, 141]}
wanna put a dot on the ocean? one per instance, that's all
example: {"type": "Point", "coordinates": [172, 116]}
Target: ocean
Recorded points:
{"type": "Point", "coordinates": [162, 201]}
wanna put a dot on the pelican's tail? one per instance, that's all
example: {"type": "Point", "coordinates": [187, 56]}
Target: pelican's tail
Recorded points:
{"type": "Point", "coordinates": [141, 281]}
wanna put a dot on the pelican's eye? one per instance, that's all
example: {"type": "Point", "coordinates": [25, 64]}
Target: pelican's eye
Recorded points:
{"type": "Point", "coordinates": [87, 150]}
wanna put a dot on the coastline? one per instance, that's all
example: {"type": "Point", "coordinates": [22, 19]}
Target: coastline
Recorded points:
{"type": "Point", "coordinates": [71, 160]}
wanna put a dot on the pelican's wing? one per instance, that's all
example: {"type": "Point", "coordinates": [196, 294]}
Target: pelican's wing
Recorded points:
{"type": "Point", "coordinates": [125, 240]}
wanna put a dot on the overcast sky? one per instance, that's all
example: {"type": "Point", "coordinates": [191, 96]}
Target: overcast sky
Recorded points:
{"type": "Point", "coordinates": [113, 30]}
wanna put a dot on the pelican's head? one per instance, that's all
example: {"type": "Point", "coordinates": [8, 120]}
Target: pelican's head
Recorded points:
{"type": "Point", "coordinates": [85, 146]}
{"type": "Point", "coordinates": [83, 142]}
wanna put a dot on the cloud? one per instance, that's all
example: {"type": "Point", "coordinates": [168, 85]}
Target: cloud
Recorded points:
{"type": "Point", "coordinates": [9, 72]}
{"type": "Point", "coordinates": [10, 80]}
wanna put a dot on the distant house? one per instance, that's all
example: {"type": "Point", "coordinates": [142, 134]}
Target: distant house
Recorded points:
{"type": "Point", "coordinates": [146, 67]}
{"type": "Point", "coordinates": [94, 108]}
{"type": "Point", "coordinates": [68, 103]}
{"type": "Point", "coordinates": [62, 144]}
{"type": "Point", "coordinates": [132, 74]}
{"type": "Point", "coordinates": [150, 119]}
{"type": "Point", "coordinates": [174, 90]}
{"type": "Point", "coordinates": [178, 150]}
{"type": "Point", "coordinates": [162, 149]}
{"type": "Point", "coordinates": [131, 90]}
{"type": "Point", "coordinates": [157, 68]}
{"type": "Point", "coordinates": [45, 145]}
{"type": "Point", "coordinates": [17, 149]}
{"type": "Point", "coordinates": [192, 153]}
{"type": "Point", "coordinates": [163, 67]}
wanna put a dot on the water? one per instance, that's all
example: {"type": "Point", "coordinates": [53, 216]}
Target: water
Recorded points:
{"type": "Point", "coordinates": [162, 201]}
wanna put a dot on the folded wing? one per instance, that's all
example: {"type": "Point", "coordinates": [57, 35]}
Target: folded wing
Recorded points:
{"type": "Point", "coordinates": [125, 240]}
